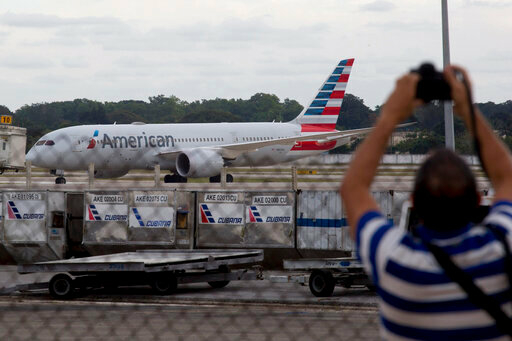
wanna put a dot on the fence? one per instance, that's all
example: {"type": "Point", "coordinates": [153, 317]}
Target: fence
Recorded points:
{"type": "Point", "coordinates": [75, 225]}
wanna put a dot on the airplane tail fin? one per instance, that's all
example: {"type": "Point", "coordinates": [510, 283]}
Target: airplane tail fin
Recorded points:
{"type": "Point", "coordinates": [322, 114]}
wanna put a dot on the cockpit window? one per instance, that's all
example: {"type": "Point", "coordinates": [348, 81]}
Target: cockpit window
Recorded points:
{"type": "Point", "coordinates": [49, 143]}
{"type": "Point", "coordinates": [40, 143]}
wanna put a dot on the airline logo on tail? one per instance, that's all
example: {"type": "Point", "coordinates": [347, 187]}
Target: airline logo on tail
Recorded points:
{"type": "Point", "coordinates": [322, 114]}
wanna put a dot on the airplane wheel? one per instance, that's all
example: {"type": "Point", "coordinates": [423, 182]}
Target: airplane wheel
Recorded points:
{"type": "Point", "coordinates": [60, 180]}
{"type": "Point", "coordinates": [215, 179]}
{"type": "Point", "coordinates": [175, 178]}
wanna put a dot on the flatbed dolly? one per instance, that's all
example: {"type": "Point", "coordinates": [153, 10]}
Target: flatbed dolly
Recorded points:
{"type": "Point", "coordinates": [324, 274]}
{"type": "Point", "coordinates": [163, 270]}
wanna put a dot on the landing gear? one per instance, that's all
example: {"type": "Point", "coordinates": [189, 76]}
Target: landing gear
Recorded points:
{"type": "Point", "coordinates": [216, 178]}
{"type": "Point", "coordinates": [60, 180]}
{"type": "Point", "coordinates": [60, 176]}
{"type": "Point", "coordinates": [175, 178]}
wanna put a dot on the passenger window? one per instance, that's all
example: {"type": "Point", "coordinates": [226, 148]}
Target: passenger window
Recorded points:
{"type": "Point", "coordinates": [49, 143]}
{"type": "Point", "coordinates": [41, 142]}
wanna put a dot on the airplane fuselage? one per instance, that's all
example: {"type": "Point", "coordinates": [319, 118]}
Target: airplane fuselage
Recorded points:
{"type": "Point", "coordinates": [140, 146]}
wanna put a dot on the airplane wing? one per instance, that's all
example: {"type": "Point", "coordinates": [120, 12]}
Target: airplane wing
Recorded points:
{"type": "Point", "coordinates": [357, 132]}
{"type": "Point", "coordinates": [233, 150]}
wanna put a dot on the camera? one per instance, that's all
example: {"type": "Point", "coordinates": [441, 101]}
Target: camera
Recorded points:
{"type": "Point", "coordinates": [432, 84]}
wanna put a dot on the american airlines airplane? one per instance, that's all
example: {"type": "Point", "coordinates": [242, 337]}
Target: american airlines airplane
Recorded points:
{"type": "Point", "coordinates": [198, 149]}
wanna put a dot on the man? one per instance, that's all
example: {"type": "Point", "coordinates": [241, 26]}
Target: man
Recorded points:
{"type": "Point", "coordinates": [417, 299]}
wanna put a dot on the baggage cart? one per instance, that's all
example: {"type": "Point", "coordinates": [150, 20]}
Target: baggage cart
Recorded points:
{"type": "Point", "coordinates": [163, 270]}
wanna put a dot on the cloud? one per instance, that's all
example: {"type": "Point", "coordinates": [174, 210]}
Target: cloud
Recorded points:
{"type": "Point", "coordinates": [25, 62]}
{"type": "Point", "coordinates": [378, 6]}
{"type": "Point", "coordinates": [488, 3]}
{"type": "Point", "coordinates": [230, 34]}
{"type": "Point", "coordinates": [51, 21]}
{"type": "Point", "coordinates": [412, 26]}
{"type": "Point", "coordinates": [74, 62]}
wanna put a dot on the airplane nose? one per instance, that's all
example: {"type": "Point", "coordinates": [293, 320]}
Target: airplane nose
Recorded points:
{"type": "Point", "coordinates": [32, 156]}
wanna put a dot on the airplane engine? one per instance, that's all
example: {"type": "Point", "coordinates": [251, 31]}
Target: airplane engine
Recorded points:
{"type": "Point", "coordinates": [109, 173]}
{"type": "Point", "coordinates": [198, 163]}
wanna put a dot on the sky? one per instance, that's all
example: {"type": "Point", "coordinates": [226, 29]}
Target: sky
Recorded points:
{"type": "Point", "coordinates": [112, 50]}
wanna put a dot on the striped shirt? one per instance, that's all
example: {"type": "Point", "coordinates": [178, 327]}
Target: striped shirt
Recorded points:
{"type": "Point", "coordinates": [417, 300]}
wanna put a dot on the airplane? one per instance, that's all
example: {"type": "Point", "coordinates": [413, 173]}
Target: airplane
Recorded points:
{"type": "Point", "coordinates": [190, 150]}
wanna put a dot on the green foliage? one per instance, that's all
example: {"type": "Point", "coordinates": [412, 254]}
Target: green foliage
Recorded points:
{"type": "Point", "coordinates": [4, 110]}
{"type": "Point", "coordinates": [354, 114]}
{"type": "Point", "coordinates": [420, 145]}
{"type": "Point", "coordinates": [120, 116]}
{"type": "Point", "coordinates": [210, 116]}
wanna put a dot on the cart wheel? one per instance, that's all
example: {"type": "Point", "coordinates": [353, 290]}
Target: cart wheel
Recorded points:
{"type": "Point", "coordinates": [61, 287]}
{"type": "Point", "coordinates": [164, 284]}
{"type": "Point", "coordinates": [221, 284]}
{"type": "Point", "coordinates": [321, 283]}
{"type": "Point", "coordinates": [371, 287]}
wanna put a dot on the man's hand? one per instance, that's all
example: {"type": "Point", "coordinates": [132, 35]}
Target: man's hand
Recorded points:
{"type": "Point", "coordinates": [458, 91]}
{"type": "Point", "coordinates": [402, 100]}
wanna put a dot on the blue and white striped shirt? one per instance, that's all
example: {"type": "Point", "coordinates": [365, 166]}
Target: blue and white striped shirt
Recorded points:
{"type": "Point", "coordinates": [417, 300]}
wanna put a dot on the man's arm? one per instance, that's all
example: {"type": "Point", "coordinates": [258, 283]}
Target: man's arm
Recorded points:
{"type": "Point", "coordinates": [355, 189]}
{"type": "Point", "coordinates": [495, 154]}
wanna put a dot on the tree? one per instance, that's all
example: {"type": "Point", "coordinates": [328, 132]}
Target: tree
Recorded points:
{"type": "Point", "coordinates": [121, 116]}
{"type": "Point", "coordinates": [355, 114]}
{"type": "Point", "coordinates": [4, 110]}
{"type": "Point", "coordinates": [289, 110]}
{"type": "Point", "coordinates": [210, 116]}
{"type": "Point", "coordinates": [420, 145]}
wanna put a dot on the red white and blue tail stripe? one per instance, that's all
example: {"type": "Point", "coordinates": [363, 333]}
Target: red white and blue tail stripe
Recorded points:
{"type": "Point", "coordinates": [322, 114]}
